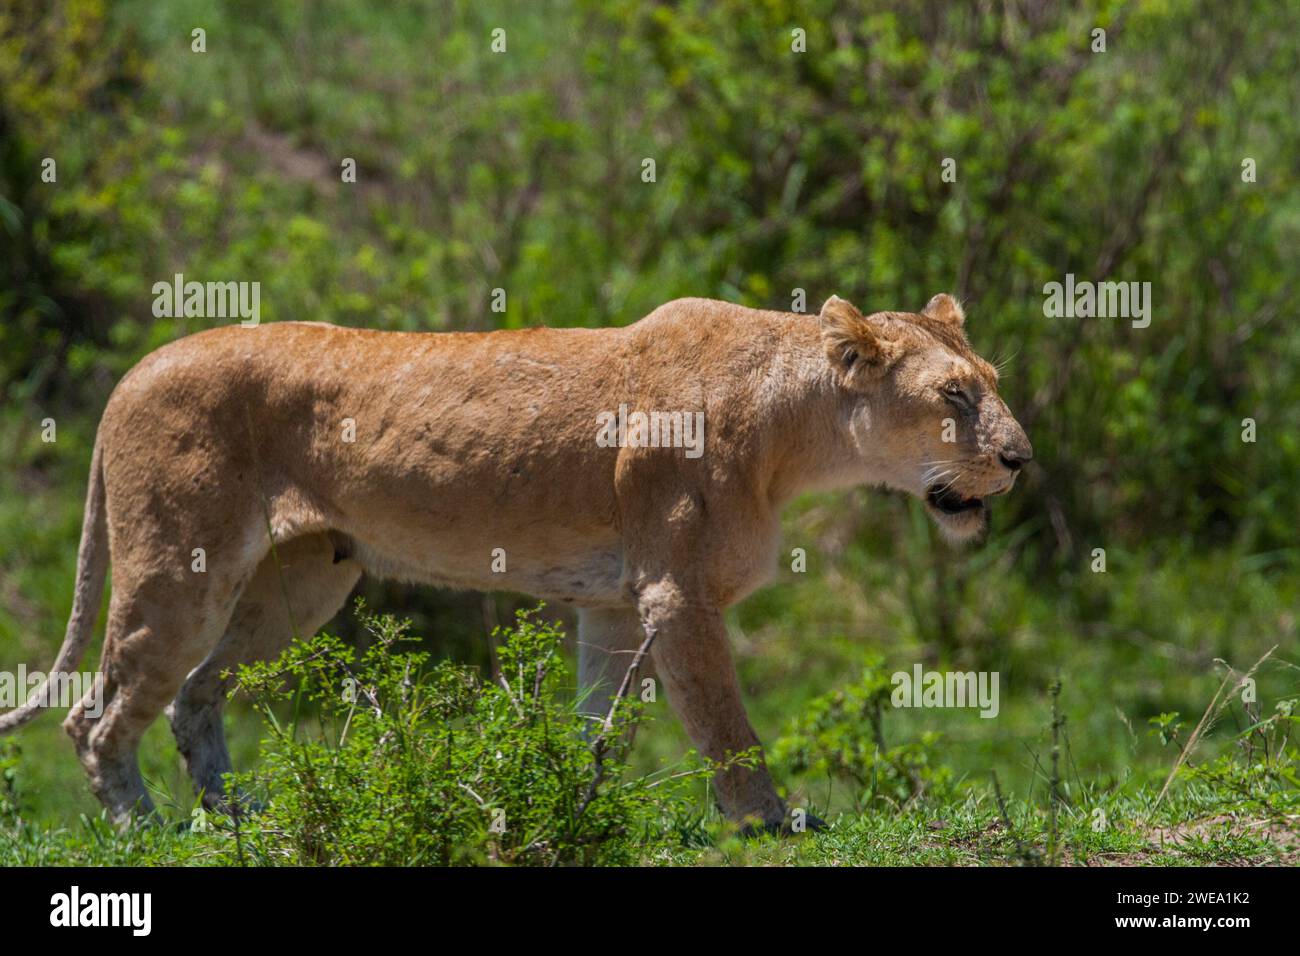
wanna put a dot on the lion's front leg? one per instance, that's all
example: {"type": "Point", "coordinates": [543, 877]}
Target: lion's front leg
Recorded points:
{"type": "Point", "coordinates": [691, 655]}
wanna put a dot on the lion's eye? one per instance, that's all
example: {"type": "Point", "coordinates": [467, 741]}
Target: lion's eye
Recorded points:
{"type": "Point", "coordinates": [956, 394]}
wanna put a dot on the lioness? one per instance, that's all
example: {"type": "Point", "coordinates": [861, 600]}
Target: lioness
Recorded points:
{"type": "Point", "coordinates": [416, 456]}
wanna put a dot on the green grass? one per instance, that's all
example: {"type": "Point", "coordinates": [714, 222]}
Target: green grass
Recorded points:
{"type": "Point", "coordinates": [1190, 828]}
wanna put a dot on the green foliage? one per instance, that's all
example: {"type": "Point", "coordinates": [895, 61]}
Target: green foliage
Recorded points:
{"type": "Point", "coordinates": [841, 735]}
{"type": "Point", "coordinates": [1166, 727]}
{"type": "Point", "coordinates": [65, 83]}
{"type": "Point", "coordinates": [9, 757]}
{"type": "Point", "coordinates": [365, 755]}
{"type": "Point", "coordinates": [406, 764]}
{"type": "Point", "coordinates": [1261, 775]}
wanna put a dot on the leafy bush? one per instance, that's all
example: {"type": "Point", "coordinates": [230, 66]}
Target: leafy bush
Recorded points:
{"type": "Point", "coordinates": [9, 754]}
{"type": "Point", "coordinates": [841, 735]}
{"type": "Point", "coordinates": [409, 764]}
{"type": "Point", "coordinates": [1260, 775]}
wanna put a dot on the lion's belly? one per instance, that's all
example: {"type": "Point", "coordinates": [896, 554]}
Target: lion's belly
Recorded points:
{"type": "Point", "coordinates": [584, 575]}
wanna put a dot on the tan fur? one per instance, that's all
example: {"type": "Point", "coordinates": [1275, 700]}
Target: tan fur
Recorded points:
{"type": "Point", "coordinates": [469, 442]}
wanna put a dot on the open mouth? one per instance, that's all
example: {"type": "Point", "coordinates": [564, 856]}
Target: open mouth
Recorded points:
{"type": "Point", "coordinates": [950, 502]}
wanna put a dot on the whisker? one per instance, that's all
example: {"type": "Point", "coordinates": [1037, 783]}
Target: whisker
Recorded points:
{"type": "Point", "coordinates": [954, 481]}
{"type": "Point", "coordinates": [1001, 363]}
{"type": "Point", "coordinates": [939, 477]}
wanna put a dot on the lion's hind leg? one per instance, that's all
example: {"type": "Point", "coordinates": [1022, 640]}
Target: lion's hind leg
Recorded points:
{"type": "Point", "coordinates": [160, 625]}
{"type": "Point", "coordinates": [295, 591]}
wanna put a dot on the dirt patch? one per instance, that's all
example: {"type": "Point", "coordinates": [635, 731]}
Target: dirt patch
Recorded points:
{"type": "Point", "coordinates": [1282, 832]}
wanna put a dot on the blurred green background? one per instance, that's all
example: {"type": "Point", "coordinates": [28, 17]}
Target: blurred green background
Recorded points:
{"type": "Point", "coordinates": [775, 171]}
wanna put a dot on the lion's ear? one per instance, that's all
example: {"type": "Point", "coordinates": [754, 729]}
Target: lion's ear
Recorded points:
{"type": "Point", "coordinates": [855, 344]}
{"type": "Point", "coordinates": [945, 308]}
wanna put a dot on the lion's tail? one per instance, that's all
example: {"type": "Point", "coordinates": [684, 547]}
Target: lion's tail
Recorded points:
{"type": "Point", "coordinates": [92, 567]}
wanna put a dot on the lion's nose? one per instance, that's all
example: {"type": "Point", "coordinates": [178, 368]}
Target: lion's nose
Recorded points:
{"type": "Point", "coordinates": [1016, 451]}
{"type": "Point", "coordinates": [1016, 455]}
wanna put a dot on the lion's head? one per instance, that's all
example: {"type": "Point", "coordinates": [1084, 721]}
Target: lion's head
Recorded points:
{"type": "Point", "coordinates": [922, 409]}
